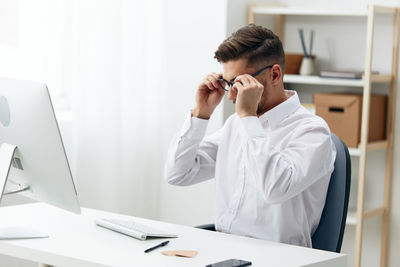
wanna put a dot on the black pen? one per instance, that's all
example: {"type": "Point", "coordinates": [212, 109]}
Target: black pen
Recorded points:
{"type": "Point", "coordinates": [159, 245]}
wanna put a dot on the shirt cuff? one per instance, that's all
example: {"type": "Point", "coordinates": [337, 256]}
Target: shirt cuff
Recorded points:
{"type": "Point", "coordinates": [250, 127]}
{"type": "Point", "coordinates": [194, 128]}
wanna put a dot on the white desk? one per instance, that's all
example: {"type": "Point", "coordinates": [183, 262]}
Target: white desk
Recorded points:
{"type": "Point", "coordinates": [76, 241]}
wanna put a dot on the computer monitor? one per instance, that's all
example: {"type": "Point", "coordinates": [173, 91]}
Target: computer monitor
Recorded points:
{"type": "Point", "coordinates": [33, 161]}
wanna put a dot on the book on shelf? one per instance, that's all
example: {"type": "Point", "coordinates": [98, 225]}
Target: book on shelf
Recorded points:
{"type": "Point", "coordinates": [343, 74]}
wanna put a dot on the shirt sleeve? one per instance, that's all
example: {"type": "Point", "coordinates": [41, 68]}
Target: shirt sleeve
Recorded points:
{"type": "Point", "coordinates": [284, 173]}
{"type": "Point", "coordinates": [191, 157]}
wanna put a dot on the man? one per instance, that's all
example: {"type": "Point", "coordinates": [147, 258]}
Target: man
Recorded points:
{"type": "Point", "coordinates": [272, 159]}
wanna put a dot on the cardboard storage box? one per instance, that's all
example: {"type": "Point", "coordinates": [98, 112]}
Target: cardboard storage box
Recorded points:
{"type": "Point", "coordinates": [343, 114]}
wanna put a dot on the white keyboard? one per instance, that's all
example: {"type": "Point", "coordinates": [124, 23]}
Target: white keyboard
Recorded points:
{"type": "Point", "coordinates": [132, 228]}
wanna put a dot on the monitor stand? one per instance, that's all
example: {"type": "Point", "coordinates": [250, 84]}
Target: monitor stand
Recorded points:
{"type": "Point", "coordinates": [7, 152]}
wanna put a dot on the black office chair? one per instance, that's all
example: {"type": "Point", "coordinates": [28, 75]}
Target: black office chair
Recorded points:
{"type": "Point", "coordinates": [329, 233]}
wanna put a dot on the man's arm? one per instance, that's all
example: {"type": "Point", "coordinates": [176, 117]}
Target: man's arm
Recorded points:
{"type": "Point", "coordinates": [191, 159]}
{"type": "Point", "coordinates": [281, 175]}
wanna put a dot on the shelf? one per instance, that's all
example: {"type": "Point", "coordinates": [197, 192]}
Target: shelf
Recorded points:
{"type": "Point", "coordinates": [268, 10]}
{"type": "Point", "coordinates": [354, 152]}
{"type": "Point", "coordinates": [378, 145]}
{"type": "Point", "coordinates": [352, 215]}
{"type": "Point", "coordinates": [379, 78]}
{"type": "Point", "coordinates": [299, 11]}
{"type": "Point", "coordinates": [302, 79]}
{"type": "Point", "coordinates": [374, 212]}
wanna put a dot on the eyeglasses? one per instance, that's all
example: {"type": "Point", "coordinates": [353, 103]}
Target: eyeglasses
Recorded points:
{"type": "Point", "coordinates": [226, 85]}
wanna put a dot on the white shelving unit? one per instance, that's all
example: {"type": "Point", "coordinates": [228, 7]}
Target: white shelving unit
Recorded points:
{"type": "Point", "coordinates": [355, 217]}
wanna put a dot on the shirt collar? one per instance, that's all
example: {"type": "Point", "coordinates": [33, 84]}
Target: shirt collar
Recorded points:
{"type": "Point", "coordinates": [275, 115]}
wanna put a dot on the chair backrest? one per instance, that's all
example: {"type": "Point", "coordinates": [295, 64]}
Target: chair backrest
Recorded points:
{"type": "Point", "coordinates": [329, 234]}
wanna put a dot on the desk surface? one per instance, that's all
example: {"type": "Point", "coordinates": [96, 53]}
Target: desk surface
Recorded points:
{"type": "Point", "coordinates": [76, 241]}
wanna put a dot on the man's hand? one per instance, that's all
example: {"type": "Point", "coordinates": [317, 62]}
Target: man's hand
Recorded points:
{"type": "Point", "coordinates": [209, 95]}
{"type": "Point", "coordinates": [249, 92]}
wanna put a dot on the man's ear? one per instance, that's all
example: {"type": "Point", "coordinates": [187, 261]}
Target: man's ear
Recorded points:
{"type": "Point", "coordinates": [276, 74]}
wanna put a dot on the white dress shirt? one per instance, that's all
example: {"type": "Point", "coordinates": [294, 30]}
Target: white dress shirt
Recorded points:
{"type": "Point", "coordinates": [271, 172]}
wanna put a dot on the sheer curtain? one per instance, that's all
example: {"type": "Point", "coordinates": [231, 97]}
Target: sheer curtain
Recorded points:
{"type": "Point", "coordinates": [125, 72]}
{"type": "Point", "coordinates": [113, 67]}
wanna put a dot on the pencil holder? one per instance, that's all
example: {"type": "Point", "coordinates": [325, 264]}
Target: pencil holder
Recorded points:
{"type": "Point", "coordinates": [307, 66]}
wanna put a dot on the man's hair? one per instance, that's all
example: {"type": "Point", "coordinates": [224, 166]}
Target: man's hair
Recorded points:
{"type": "Point", "coordinates": [257, 44]}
